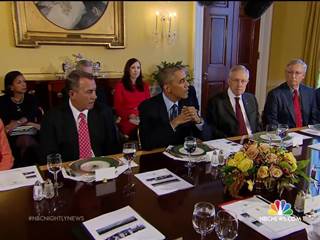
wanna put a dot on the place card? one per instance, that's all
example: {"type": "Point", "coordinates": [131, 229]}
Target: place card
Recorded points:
{"type": "Point", "coordinates": [311, 203]}
{"type": "Point", "coordinates": [105, 173]}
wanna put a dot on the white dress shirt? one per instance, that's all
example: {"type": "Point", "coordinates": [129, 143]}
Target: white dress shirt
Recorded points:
{"type": "Point", "coordinates": [233, 104]}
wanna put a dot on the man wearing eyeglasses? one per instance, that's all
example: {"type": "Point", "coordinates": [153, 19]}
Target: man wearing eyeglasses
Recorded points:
{"type": "Point", "coordinates": [292, 102]}
{"type": "Point", "coordinates": [233, 112]}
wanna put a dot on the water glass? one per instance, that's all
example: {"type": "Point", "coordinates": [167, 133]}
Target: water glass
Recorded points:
{"type": "Point", "coordinates": [226, 225]}
{"type": "Point", "coordinates": [203, 218]}
{"type": "Point", "coordinates": [190, 145]}
{"type": "Point", "coordinates": [270, 131]}
{"type": "Point", "coordinates": [282, 130]}
{"type": "Point", "coordinates": [54, 164]}
{"type": "Point", "coordinates": [129, 153]}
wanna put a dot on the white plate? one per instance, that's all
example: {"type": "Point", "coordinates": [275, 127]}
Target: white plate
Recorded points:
{"type": "Point", "coordinates": [198, 151]}
{"type": "Point", "coordinates": [274, 137]}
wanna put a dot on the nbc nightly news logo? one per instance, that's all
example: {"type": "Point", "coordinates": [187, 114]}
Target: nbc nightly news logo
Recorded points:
{"type": "Point", "coordinates": [280, 211]}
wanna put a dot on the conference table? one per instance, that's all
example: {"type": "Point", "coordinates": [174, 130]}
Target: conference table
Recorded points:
{"type": "Point", "coordinates": [61, 217]}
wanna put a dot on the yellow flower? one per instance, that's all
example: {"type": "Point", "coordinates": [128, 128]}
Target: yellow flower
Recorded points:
{"type": "Point", "coordinates": [289, 157]}
{"type": "Point", "coordinates": [276, 172]}
{"type": "Point", "coordinates": [239, 156]}
{"type": "Point", "coordinates": [245, 164]}
{"type": "Point", "coordinates": [263, 172]}
{"type": "Point", "coordinates": [232, 163]}
{"type": "Point", "coordinates": [252, 151]}
{"type": "Point", "coordinates": [264, 148]}
{"type": "Point", "coordinates": [250, 185]}
{"type": "Point", "coordinates": [272, 158]}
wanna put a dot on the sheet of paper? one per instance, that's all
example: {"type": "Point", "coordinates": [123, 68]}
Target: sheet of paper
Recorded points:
{"type": "Point", "coordinates": [163, 181]}
{"type": "Point", "coordinates": [312, 203]}
{"type": "Point", "coordinates": [123, 223]}
{"type": "Point", "coordinates": [315, 146]}
{"type": "Point", "coordinates": [311, 131]}
{"type": "Point", "coordinates": [227, 146]}
{"type": "Point", "coordinates": [19, 177]}
{"type": "Point", "coordinates": [254, 213]}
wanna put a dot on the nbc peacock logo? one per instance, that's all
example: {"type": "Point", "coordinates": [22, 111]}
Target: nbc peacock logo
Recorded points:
{"type": "Point", "coordinates": [280, 208]}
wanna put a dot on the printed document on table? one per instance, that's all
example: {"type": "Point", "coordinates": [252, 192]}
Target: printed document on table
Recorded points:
{"type": "Point", "coordinates": [19, 177]}
{"type": "Point", "coordinates": [163, 181]}
{"type": "Point", "coordinates": [254, 213]}
{"type": "Point", "coordinates": [227, 146]}
{"type": "Point", "coordinates": [311, 131]}
{"type": "Point", "coordinates": [124, 223]}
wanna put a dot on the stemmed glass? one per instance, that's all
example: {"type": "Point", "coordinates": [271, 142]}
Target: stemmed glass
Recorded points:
{"type": "Point", "coordinates": [190, 145]}
{"type": "Point", "coordinates": [226, 225]}
{"type": "Point", "coordinates": [270, 131]}
{"type": "Point", "coordinates": [203, 218]}
{"type": "Point", "coordinates": [129, 153]}
{"type": "Point", "coordinates": [54, 164]}
{"type": "Point", "coordinates": [282, 130]}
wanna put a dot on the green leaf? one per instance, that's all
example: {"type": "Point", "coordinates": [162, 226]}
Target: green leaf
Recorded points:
{"type": "Point", "coordinates": [302, 164]}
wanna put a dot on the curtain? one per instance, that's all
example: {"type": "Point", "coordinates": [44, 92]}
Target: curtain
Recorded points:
{"type": "Point", "coordinates": [311, 54]}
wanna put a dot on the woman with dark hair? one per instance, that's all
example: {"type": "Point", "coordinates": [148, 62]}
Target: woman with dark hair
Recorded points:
{"type": "Point", "coordinates": [129, 93]}
{"type": "Point", "coordinates": [18, 108]}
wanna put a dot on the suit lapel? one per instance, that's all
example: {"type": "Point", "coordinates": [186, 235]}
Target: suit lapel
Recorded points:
{"type": "Point", "coordinates": [304, 99]}
{"type": "Point", "coordinates": [163, 109]}
{"type": "Point", "coordinates": [288, 97]}
{"type": "Point", "coordinates": [71, 127]}
{"type": "Point", "coordinates": [248, 108]}
{"type": "Point", "coordinates": [228, 105]}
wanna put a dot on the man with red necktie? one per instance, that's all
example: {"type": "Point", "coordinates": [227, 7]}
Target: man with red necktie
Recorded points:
{"type": "Point", "coordinates": [233, 112]}
{"type": "Point", "coordinates": [80, 127]}
{"type": "Point", "coordinates": [292, 102]}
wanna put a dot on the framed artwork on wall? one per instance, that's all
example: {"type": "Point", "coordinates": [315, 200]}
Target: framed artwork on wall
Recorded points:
{"type": "Point", "coordinates": [69, 23]}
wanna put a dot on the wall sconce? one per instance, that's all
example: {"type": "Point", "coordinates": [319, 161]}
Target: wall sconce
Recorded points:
{"type": "Point", "coordinates": [165, 27]}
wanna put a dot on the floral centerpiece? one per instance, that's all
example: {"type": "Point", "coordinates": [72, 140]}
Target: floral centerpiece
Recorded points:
{"type": "Point", "coordinates": [261, 164]}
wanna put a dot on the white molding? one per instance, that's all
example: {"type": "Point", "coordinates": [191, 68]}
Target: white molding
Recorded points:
{"type": "Point", "coordinates": [198, 46]}
{"type": "Point", "coordinates": [264, 53]}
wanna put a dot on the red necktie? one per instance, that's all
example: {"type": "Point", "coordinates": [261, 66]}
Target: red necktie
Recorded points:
{"type": "Point", "coordinates": [297, 108]}
{"type": "Point", "coordinates": [239, 115]}
{"type": "Point", "coordinates": [84, 138]}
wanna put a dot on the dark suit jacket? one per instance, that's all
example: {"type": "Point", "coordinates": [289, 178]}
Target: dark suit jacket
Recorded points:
{"type": "Point", "coordinates": [155, 129]}
{"type": "Point", "coordinates": [279, 106]}
{"type": "Point", "coordinates": [222, 120]}
{"type": "Point", "coordinates": [59, 133]}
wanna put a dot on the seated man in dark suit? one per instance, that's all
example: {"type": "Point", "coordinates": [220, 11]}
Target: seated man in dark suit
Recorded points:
{"type": "Point", "coordinates": [170, 116]}
{"type": "Point", "coordinates": [80, 127]}
{"type": "Point", "coordinates": [233, 112]}
{"type": "Point", "coordinates": [292, 102]}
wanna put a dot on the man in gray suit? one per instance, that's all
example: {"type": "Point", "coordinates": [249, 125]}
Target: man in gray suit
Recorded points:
{"type": "Point", "coordinates": [233, 112]}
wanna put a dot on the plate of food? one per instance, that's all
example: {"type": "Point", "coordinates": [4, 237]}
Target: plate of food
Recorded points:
{"type": "Point", "coordinates": [201, 150]}
{"type": "Point", "coordinates": [89, 165]}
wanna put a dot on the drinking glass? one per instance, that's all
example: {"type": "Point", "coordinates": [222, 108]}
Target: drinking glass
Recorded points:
{"type": "Point", "coordinates": [226, 225]}
{"type": "Point", "coordinates": [203, 218]}
{"type": "Point", "coordinates": [270, 131]}
{"type": "Point", "coordinates": [190, 145]}
{"type": "Point", "coordinates": [282, 131]}
{"type": "Point", "coordinates": [129, 153]}
{"type": "Point", "coordinates": [54, 164]}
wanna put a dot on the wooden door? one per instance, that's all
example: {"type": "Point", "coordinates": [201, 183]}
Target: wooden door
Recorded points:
{"type": "Point", "coordinates": [229, 38]}
{"type": "Point", "coordinates": [219, 41]}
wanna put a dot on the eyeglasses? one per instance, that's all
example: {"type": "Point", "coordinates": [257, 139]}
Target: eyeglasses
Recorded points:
{"type": "Point", "coordinates": [294, 73]}
{"type": "Point", "coordinates": [240, 81]}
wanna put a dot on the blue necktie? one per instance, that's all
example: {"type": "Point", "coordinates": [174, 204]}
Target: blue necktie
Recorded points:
{"type": "Point", "coordinates": [173, 112]}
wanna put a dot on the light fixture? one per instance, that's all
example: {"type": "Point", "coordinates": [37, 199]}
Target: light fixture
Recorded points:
{"type": "Point", "coordinates": [165, 28]}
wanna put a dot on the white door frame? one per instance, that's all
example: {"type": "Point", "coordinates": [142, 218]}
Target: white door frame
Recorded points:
{"type": "Point", "coordinates": [264, 52]}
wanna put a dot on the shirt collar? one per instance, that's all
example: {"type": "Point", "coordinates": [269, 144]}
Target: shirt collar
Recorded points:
{"type": "Point", "coordinates": [76, 112]}
{"type": "Point", "coordinates": [231, 94]}
{"type": "Point", "coordinates": [168, 102]}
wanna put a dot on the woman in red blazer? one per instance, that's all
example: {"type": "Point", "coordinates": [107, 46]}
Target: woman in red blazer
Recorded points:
{"type": "Point", "coordinates": [6, 158]}
{"type": "Point", "coordinates": [129, 93]}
